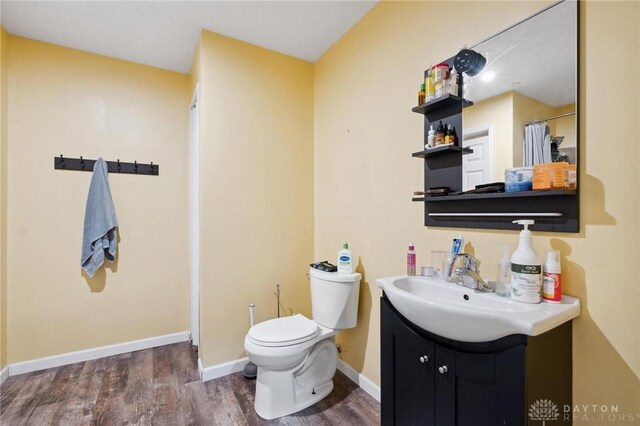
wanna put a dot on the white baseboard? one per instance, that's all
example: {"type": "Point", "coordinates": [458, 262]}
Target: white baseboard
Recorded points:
{"type": "Point", "coordinates": [94, 353]}
{"type": "Point", "coordinates": [4, 374]}
{"type": "Point", "coordinates": [360, 379]}
{"type": "Point", "coordinates": [215, 371]}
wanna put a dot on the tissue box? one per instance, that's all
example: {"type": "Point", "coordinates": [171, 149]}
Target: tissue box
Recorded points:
{"type": "Point", "coordinates": [518, 179]}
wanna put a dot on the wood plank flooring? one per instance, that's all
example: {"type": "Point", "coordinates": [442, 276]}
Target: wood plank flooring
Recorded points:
{"type": "Point", "coordinates": [160, 386]}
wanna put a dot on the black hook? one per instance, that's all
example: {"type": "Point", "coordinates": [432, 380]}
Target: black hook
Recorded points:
{"type": "Point", "coordinates": [135, 166]}
{"type": "Point", "coordinates": [62, 163]}
{"type": "Point", "coordinates": [118, 164]}
{"type": "Point", "coordinates": [152, 167]}
{"type": "Point", "coordinates": [81, 162]}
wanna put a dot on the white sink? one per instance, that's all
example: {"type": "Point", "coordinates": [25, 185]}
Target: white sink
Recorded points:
{"type": "Point", "coordinates": [459, 313]}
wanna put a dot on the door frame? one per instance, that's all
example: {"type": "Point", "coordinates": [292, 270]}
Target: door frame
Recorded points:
{"type": "Point", "coordinates": [474, 133]}
{"type": "Point", "coordinates": [194, 216]}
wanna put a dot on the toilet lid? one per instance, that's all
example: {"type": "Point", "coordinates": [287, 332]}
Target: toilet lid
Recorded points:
{"type": "Point", "coordinates": [284, 331]}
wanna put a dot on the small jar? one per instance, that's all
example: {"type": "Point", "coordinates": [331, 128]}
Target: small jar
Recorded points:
{"type": "Point", "coordinates": [440, 73]}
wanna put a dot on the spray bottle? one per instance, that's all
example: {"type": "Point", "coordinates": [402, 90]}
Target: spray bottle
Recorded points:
{"type": "Point", "coordinates": [503, 283]}
{"type": "Point", "coordinates": [526, 269]}
{"type": "Point", "coordinates": [552, 278]}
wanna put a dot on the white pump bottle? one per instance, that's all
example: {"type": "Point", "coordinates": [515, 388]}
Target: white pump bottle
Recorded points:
{"type": "Point", "coordinates": [526, 269]}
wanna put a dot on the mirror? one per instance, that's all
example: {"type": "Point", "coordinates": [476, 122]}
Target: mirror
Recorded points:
{"type": "Point", "coordinates": [530, 79]}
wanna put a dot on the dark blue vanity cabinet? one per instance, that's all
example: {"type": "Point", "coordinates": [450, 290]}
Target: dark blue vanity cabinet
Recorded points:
{"type": "Point", "coordinates": [429, 380]}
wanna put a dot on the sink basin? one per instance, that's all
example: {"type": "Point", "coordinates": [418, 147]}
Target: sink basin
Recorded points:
{"type": "Point", "coordinates": [459, 313]}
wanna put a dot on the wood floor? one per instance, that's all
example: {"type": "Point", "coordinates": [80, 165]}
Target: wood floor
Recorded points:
{"type": "Point", "coordinates": [160, 386]}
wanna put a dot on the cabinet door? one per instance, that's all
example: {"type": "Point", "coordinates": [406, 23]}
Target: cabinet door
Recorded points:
{"type": "Point", "coordinates": [407, 374]}
{"type": "Point", "coordinates": [480, 389]}
{"type": "Point", "coordinates": [445, 389]}
{"type": "Point", "coordinates": [413, 381]}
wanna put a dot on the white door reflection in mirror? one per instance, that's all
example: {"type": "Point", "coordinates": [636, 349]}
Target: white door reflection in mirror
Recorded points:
{"type": "Point", "coordinates": [477, 167]}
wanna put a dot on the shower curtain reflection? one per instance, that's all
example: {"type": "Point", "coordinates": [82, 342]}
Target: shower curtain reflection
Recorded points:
{"type": "Point", "coordinates": [537, 144]}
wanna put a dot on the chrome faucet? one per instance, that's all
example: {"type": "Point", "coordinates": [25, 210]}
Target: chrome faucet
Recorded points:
{"type": "Point", "coordinates": [467, 274]}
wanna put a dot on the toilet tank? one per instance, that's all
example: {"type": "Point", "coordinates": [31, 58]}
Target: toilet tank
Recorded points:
{"type": "Point", "coordinates": [334, 298]}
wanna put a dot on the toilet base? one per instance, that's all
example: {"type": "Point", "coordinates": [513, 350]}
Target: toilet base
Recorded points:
{"type": "Point", "coordinates": [280, 393]}
{"type": "Point", "coordinates": [271, 405]}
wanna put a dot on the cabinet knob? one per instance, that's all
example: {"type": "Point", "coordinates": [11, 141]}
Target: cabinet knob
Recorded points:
{"type": "Point", "coordinates": [424, 358]}
{"type": "Point", "coordinates": [443, 369]}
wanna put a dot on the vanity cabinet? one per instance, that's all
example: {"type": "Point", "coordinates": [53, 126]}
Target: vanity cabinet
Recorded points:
{"type": "Point", "coordinates": [431, 380]}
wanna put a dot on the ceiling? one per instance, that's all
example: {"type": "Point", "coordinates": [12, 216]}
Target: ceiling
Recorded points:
{"type": "Point", "coordinates": [537, 58]}
{"type": "Point", "coordinates": [165, 34]}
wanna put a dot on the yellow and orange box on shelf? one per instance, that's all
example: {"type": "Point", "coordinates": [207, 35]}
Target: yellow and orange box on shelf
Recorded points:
{"type": "Point", "coordinates": [549, 176]}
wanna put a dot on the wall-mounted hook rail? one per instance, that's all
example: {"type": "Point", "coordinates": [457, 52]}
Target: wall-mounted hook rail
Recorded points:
{"type": "Point", "coordinates": [82, 164]}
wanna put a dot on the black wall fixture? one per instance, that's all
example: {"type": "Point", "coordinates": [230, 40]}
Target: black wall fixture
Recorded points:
{"type": "Point", "coordinates": [469, 61]}
{"type": "Point", "coordinates": [64, 163]}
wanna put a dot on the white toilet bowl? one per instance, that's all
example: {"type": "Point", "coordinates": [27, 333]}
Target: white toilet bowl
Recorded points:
{"type": "Point", "coordinates": [295, 370]}
{"type": "Point", "coordinates": [296, 356]}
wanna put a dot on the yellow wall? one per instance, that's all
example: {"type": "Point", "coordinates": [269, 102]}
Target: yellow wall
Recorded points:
{"type": "Point", "coordinates": [63, 101]}
{"type": "Point", "coordinates": [364, 175]}
{"type": "Point", "coordinates": [526, 109]}
{"type": "Point", "coordinates": [256, 178]}
{"type": "Point", "coordinates": [3, 196]}
{"type": "Point", "coordinates": [496, 112]}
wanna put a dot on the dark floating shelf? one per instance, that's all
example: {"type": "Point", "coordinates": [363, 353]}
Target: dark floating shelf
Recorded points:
{"type": "Point", "coordinates": [439, 150]}
{"type": "Point", "coordinates": [442, 102]}
{"type": "Point", "coordinates": [495, 195]}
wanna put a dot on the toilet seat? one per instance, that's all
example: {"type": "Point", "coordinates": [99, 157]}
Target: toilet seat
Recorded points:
{"type": "Point", "coordinates": [286, 331]}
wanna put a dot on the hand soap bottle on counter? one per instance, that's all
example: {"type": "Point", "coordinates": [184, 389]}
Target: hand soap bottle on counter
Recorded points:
{"type": "Point", "coordinates": [526, 269]}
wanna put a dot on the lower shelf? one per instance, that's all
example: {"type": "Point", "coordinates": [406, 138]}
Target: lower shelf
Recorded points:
{"type": "Point", "coordinates": [555, 211]}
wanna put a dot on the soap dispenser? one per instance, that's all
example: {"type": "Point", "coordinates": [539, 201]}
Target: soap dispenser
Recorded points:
{"type": "Point", "coordinates": [526, 269]}
{"type": "Point", "coordinates": [503, 283]}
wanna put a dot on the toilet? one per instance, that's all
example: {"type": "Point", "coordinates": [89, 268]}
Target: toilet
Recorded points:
{"type": "Point", "coordinates": [296, 356]}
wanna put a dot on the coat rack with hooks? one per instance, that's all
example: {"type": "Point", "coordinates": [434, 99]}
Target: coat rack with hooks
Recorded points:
{"type": "Point", "coordinates": [82, 164]}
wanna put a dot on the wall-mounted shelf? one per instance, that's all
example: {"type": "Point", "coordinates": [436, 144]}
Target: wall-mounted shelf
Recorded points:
{"type": "Point", "coordinates": [555, 211]}
{"type": "Point", "coordinates": [439, 150]}
{"type": "Point", "coordinates": [498, 195]}
{"type": "Point", "coordinates": [441, 103]}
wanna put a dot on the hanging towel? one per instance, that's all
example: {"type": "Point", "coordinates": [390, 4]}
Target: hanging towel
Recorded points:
{"type": "Point", "coordinates": [99, 237]}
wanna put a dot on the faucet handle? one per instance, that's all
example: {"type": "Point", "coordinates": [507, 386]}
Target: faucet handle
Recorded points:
{"type": "Point", "coordinates": [470, 262]}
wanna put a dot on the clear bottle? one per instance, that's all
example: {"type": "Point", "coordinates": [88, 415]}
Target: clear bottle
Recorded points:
{"type": "Point", "coordinates": [503, 283]}
{"type": "Point", "coordinates": [345, 260]}
{"type": "Point", "coordinates": [526, 269]}
{"type": "Point", "coordinates": [411, 260]}
{"type": "Point", "coordinates": [431, 137]}
{"type": "Point", "coordinates": [454, 82]}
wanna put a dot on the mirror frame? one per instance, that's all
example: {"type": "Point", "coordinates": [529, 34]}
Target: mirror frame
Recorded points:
{"type": "Point", "coordinates": [553, 211]}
